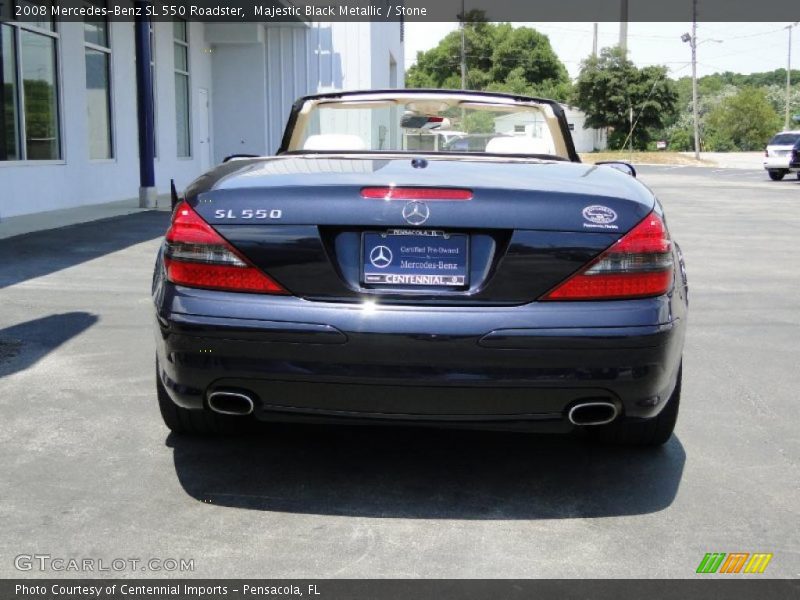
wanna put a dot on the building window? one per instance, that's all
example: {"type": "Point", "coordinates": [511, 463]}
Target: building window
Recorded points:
{"type": "Point", "coordinates": [97, 50]}
{"type": "Point", "coordinates": [519, 128]}
{"type": "Point", "coordinates": [181, 48]}
{"type": "Point", "coordinates": [9, 117]}
{"type": "Point", "coordinates": [29, 117]}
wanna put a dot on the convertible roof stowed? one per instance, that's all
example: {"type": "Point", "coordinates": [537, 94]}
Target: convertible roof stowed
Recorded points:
{"type": "Point", "coordinates": [432, 112]}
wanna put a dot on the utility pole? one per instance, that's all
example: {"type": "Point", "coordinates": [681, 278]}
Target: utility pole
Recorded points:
{"type": "Point", "coordinates": [463, 47]}
{"type": "Point", "coordinates": [692, 39]}
{"type": "Point", "coordinates": [623, 27]}
{"type": "Point", "coordinates": [630, 135]}
{"type": "Point", "coordinates": [695, 108]}
{"type": "Point", "coordinates": [789, 77]}
{"type": "Point", "coordinates": [594, 42]}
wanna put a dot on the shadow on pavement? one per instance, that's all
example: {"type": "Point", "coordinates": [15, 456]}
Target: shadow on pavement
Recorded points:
{"type": "Point", "coordinates": [426, 473]}
{"type": "Point", "coordinates": [25, 344]}
{"type": "Point", "coordinates": [44, 252]}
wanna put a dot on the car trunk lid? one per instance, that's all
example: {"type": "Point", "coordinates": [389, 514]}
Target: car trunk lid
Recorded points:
{"type": "Point", "coordinates": [311, 223]}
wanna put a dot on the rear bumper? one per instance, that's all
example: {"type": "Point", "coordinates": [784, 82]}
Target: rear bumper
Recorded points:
{"type": "Point", "coordinates": [778, 163]}
{"type": "Point", "coordinates": [497, 366]}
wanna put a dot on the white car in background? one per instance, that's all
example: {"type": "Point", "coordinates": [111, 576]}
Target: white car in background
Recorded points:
{"type": "Point", "coordinates": [779, 154]}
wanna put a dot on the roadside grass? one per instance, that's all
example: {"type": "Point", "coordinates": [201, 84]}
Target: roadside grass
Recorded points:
{"type": "Point", "coordinates": [653, 158]}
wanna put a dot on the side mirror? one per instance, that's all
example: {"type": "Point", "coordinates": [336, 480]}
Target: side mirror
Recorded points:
{"type": "Point", "coordinates": [619, 165]}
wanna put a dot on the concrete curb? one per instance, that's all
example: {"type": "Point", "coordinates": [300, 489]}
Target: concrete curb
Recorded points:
{"type": "Point", "coordinates": [54, 219]}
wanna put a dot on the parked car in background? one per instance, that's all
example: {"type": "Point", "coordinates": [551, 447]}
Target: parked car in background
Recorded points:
{"type": "Point", "coordinates": [420, 140]}
{"type": "Point", "coordinates": [777, 156]}
{"type": "Point", "coordinates": [475, 142]}
{"type": "Point", "coordinates": [794, 162]}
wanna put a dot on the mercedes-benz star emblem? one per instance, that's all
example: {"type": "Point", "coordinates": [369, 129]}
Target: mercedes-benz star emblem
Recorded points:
{"type": "Point", "coordinates": [380, 257]}
{"type": "Point", "coordinates": [416, 213]}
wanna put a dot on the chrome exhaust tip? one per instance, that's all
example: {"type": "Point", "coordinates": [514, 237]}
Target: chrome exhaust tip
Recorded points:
{"type": "Point", "coordinates": [587, 414]}
{"type": "Point", "coordinates": [230, 403]}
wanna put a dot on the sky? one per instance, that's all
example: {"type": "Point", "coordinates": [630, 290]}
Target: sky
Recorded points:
{"type": "Point", "coordinates": [738, 47]}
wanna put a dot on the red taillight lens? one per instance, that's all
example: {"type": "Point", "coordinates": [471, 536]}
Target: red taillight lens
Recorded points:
{"type": "Point", "coordinates": [639, 265]}
{"type": "Point", "coordinates": [414, 193]}
{"type": "Point", "coordinates": [197, 256]}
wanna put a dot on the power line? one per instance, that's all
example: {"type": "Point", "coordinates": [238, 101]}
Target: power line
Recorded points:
{"type": "Point", "coordinates": [646, 100]}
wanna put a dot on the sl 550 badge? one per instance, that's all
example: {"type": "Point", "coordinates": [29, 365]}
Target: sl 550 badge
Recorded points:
{"type": "Point", "coordinates": [248, 213]}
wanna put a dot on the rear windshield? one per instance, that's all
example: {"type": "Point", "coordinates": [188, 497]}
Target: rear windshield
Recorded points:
{"type": "Point", "coordinates": [785, 139]}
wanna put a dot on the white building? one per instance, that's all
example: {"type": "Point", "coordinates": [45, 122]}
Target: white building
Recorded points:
{"type": "Point", "coordinates": [585, 140]}
{"type": "Point", "coordinates": [531, 124]}
{"type": "Point", "coordinates": [68, 114]}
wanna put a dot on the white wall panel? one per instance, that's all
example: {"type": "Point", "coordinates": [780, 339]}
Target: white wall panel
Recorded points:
{"type": "Point", "coordinates": [288, 54]}
{"type": "Point", "coordinates": [239, 99]}
{"type": "Point", "coordinates": [76, 181]}
{"type": "Point", "coordinates": [253, 74]}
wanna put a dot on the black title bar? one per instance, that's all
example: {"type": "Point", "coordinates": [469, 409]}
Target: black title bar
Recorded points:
{"type": "Point", "coordinates": [308, 11]}
{"type": "Point", "coordinates": [734, 588]}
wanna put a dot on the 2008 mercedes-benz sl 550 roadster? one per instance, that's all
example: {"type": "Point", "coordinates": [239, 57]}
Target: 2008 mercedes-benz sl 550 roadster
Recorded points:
{"type": "Point", "coordinates": [422, 257]}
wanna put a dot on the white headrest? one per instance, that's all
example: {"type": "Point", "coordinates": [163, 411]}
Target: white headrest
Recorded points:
{"type": "Point", "coordinates": [518, 145]}
{"type": "Point", "coordinates": [334, 141]}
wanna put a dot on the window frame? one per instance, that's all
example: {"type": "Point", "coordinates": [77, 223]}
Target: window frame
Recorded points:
{"type": "Point", "coordinates": [55, 35]}
{"type": "Point", "coordinates": [112, 132]}
{"type": "Point", "coordinates": [187, 74]}
{"type": "Point", "coordinates": [14, 72]}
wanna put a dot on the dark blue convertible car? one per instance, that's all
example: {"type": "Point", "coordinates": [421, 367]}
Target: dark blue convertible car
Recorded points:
{"type": "Point", "coordinates": [349, 279]}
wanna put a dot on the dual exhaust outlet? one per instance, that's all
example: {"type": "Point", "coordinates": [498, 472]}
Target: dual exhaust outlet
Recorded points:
{"type": "Point", "coordinates": [587, 414]}
{"type": "Point", "coordinates": [231, 403]}
{"type": "Point", "coordinates": [583, 414]}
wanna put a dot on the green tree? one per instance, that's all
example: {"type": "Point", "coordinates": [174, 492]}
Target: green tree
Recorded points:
{"type": "Point", "coordinates": [744, 121]}
{"type": "Point", "coordinates": [499, 57]}
{"type": "Point", "coordinates": [776, 94]}
{"type": "Point", "coordinates": [610, 85]}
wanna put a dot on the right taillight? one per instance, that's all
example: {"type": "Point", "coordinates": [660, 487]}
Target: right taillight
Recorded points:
{"type": "Point", "coordinates": [195, 255]}
{"type": "Point", "coordinates": [639, 265]}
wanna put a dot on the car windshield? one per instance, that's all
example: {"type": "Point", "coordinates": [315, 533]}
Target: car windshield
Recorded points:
{"type": "Point", "coordinates": [428, 123]}
{"type": "Point", "coordinates": [785, 139]}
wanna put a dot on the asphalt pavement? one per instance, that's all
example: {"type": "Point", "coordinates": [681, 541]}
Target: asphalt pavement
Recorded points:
{"type": "Point", "coordinates": [88, 470]}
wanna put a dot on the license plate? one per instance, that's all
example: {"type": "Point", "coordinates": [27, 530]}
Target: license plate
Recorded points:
{"type": "Point", "coordinates": [415, 258]}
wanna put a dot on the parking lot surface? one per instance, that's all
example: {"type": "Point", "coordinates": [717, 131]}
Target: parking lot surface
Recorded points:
{"type": "Point", "coordinates": [89, 471]}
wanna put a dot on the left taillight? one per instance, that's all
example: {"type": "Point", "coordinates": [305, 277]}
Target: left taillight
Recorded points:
{"type": "Point", "coordinates": [197, 256]}
{"type": "Point", "coordinates": [638, 265]}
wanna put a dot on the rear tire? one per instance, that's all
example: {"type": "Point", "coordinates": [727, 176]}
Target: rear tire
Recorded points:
{"type": "Point", "coordinates": [776, 175]}
{"type": "Point", "coordinates": [652, 432]}
{"type": "Point", "coordinates": [195, 422]}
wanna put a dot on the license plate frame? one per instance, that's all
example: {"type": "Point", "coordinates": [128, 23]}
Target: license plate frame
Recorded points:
{"type": "Point", "coordinates": [431, 251]}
